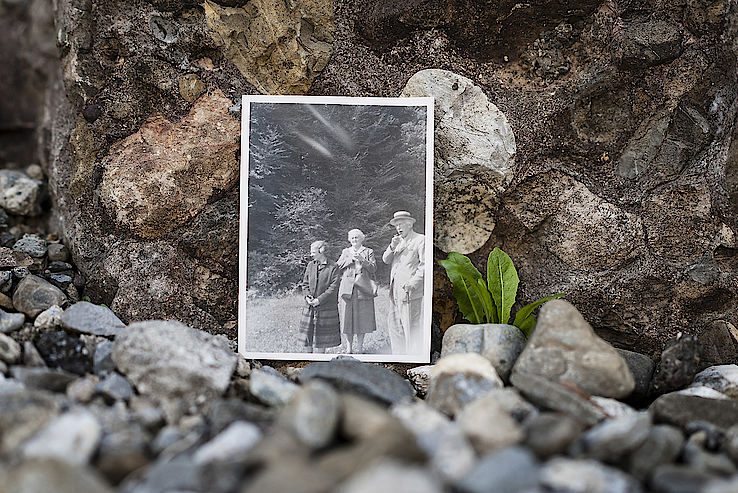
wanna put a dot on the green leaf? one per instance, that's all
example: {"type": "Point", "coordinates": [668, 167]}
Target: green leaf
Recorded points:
{"type": "Point", "coordinates": [502, 282]}
{"type": "Point", "coordinates": [464, 276]}
{"type": "Point", "coordinates": [489, 307]}
{"type": "Point", "coordinates": [525, 314]}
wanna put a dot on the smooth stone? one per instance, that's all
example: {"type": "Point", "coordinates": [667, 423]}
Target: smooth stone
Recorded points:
{"type": "Point", "coordinates": [54, 380]}
{"type": "Point", "coordinates": [313, 413]}
{"type": "Point", "coordinates": [564, 348]}
{"type": "Point", "coordinates": [679, 410]}
{"type": "Point", "coordinates": [613, 438]}
{"type": "Point", "coordinates": [673, 478]}
{"type": "Point", "coordinates": [33, 245]}
{"type": "Point", "coordinates": [557, 397]}
{"type": "Point", "coordinates": [364, 419]}
{"type": "Point", "coordinates": [121, 452]}
{"type": "Point", "coordinates": [220, 413]}
{"type": "Point", "coordinates": [31, 356]}
{"type": "Point", "coordinates": [234, 441]}
{"type": "Point", "coordinates": [450, 453]}
{"type": "Point", "coordinates": [58, 252]}
{"type": "Point", "coordinates": [611, 407]}
{"type": "Point", "coordinates": [115, 387]}
{"type": "Point", "coordinates": [20, 194]}
{"type": "Point", "coordinates": [34, 295]}
{"type": "Point", "coordinates": [24, 413]}
{"type": "Point", "coordinates": [701, 460]}
{"type": "Point", "coordinates": [458, 379]}
{"type": "Point", "coordinates": [678, 365]}
{"type": "Point", "coordinates": [102, 359]}
{"type": "Point", "coordinates": [49, 319]}
{"type": "Point", "coordinates": [509, 470]}
{"type": "Point", "coordinates": [10, 350]}
{"type": "Point", "coordinates": [501, 344]}
{"type": "Point", "coordinates": [198, 367]}
{"type": "Point", "coordinates": [513, 403]}
{"type": "Point", "coordinates": [63, 350]}
{"type": "Point", "coordinates": [177, 474]}
{"type": "Point", "coordinates": [70, 437]}
{"type": "Point", "coordinates": [391, 476]}
{"type": "Point", "coordinates": [3, 369]}
{"type": "Point", "coordinates": [271, 387]}
{"type": "Point", "coordinates": [662, 446]}
{"type": "Point", "coordinates": [370, 380]}
{"type": "Point", "coordinates": [723, 378]}
{"type": "Point", "coordinates": [701, 391]}
{"type": "Point", "coordinates": [721, 486]}
{"type": "Point", "coordinates": [420, 378]}
{"type": "Point", "coordinates": [51, 475]}
{"type": "Point", "coordinates": [730, 445]}
{"type": "Point", "coordinates": [549, 434]}
{"type": "Point", "coordinates": [6, 281]}
{"type": "Point", "coordinates": [10, 322]}
{"type": "Point", "coordinates": [83, 389]}
{"type": "Point", "coordinates": [705, 435]}
{"type": "Point", "coordinates": [290, 475]}
{"type": "Point", "coordinates": [586, 476]}
{"type": "Point", "coordinates": [488, 425]}
{"type": "Point", "coordinates": [642, 368]}
{"type": "Point", "coordinates": [88, 318]}
{"type": "Point", "coordinates": [6, 302]}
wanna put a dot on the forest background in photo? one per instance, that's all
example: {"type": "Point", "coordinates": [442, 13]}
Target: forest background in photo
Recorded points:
{"type": "Point", "coordinates": [317, 171]}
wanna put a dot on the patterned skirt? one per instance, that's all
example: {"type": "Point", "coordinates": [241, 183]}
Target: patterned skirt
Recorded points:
{"type": "Point", "coordinates": [319, 327]}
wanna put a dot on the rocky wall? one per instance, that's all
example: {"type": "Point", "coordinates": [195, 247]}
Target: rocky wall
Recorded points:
{"type": "Point", "coordinates": [617, 181]}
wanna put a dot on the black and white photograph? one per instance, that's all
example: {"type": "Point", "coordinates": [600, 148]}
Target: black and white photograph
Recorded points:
{"type": "Point", "coordinates": [335, 247]}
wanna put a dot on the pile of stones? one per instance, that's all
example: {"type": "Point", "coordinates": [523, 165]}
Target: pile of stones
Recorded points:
{"type": "Point", "coordinates": [93, 405]}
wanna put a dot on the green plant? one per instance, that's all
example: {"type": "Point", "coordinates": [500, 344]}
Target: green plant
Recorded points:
{"type": "Point", "coordinates": [491, 301]}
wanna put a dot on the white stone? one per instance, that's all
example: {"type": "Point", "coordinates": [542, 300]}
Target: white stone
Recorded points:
{"type": "Point", "coordinates": [239, 437]}
{"type": "Point", "coordinates": [722, 378]}
{"type": "Point", "coordinates": [474, 157]}
{"type": "Point", "coordinates": [270, 387]}
{"type": "Point", "coordinates": [49, 318]}
{"type": "Point", "coordinates": [612, 407]}
{"type": "Point", "coordinates": [585, 476]}
{"type": "Point", "coordinates": [71, 437]}
{"type": "Point", "coordinates": [501, 344]}
{"type": "Point", "coordinates": [420, 377]}
{"type": "Point", "coordinates": [702, 391]}
{"type": "Point", "coordinates": [391, 476]}
{"type": "Point", "coordinates": [488, 425]}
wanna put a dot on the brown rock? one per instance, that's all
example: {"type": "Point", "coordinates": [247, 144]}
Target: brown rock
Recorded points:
{"type": "Point", "coordinates": [191, 87]}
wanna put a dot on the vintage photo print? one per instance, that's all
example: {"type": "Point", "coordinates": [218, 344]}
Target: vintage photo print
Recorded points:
{"type": "Point", "coordinates": [336, 228]}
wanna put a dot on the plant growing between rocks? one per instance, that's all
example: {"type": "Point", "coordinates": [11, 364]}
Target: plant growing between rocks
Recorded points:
{"type": "Point", "coordinates": [491, 301]}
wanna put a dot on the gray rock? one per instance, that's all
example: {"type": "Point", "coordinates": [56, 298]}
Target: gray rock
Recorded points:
{"type": "Point", "coordinates": [612, 439]}
{"type": "Point", "coordinates": [222, 412]}
{"type": "Point", "coordinates": [611, 407]}
{"type": "Point", "coordinates": [458, 379]}
{"type": "Point", "coordinates": [513, 403]}
{"type": "Point", "coordinates": [420, 378]}
{"type": "Point", "coordinates": [673, 478]}
{"type": "Point", "coordinates": [679, 410]}
{"type": "Point", "coordinates": [488, 425]}
{"type": "Point", "coordinates": [34, 295]}
{"type": "Point", "coordinates": [642, 367]}
{"type": "Point", "coordinates": [83, 389]}
{"type": "Point", "coordinates": [13, 259]}
{"type": "Point", "coordinates": [662, 446]}
{"type": "Point", "coordinates": [49, 319]}
{"type": "Point", "coordinates": [564, 348]}
{"type": "Point", "coordinates": [313, 413]}
{"type": "Point", "coordinates": [699, 459]}
{"type": "Point", "coordinates": [509, 470]}
{"type": "Point", "coordinates": [363, 419]}
{"type": "Point", "coordinates": [3, 368]}
{"type": "Point", "coordinates": [198, 365]}
{"type": "Point", "coordinates": [121, 452]}
{"type": "Point", "coordinates": [721, 486]}
{"type": "Point", "coordinates": [586, 476]}
{"type": "Point", "coordinates": [24, 413]}
{"type": "Point", "coordinates": [115, 387]}
{"type": "Point", "coordinates": [647, 42]}
{"type": "Point", "coordinates": [87, 318]}
{"type": "Point", "coordinates": [10, 351]}
{"type": "Point", "coordinates": [450, 453]}
{"type": "Point", "coordinates": [58, 252]}
{"type": "Point", "coordinates": [102, 362]}
{"type": "Point", "coordinates": [70, 437]}
{"type": "Point", "coordinates": [271, 387]}
{"type": "Point", "coordinates": [53, 475]}
{"type": "Point", "coordinates": [702, 391]}
{"type": "Point", "coordinates": [31, 356]}
{"type": "Point", "coordinates": [474, 157]}
{"type": "Point", "coordinates": [6, 279]}
{"type": "Point", "coordinates": [170, 474]}
{"type": "Point", "coordinates": [10, 322]}
{"type": "Point", "coordinates": [731, 443]}
{"type": "Point", "coordinates": [549, 434]}
{"type": "Point", "coordinates": [501, 344]}
{"type": "Point", "coordinates": [391, 476]}
{"type": "Point", "coordinates": [51, 379]}
{"type": "Point", "coordinates": [557, 397]}
{"type": "Point", "coordinates": [20, 194]}
{"type": "Point", "coordinates": [723, 378]}
{"type": "Point", "coordinates": [33, 245]}
{"type": "Point", "coordinates": [678, 365]}
{"type": "Point", "coordinates": [291, 475]}
{"type": "Point", "coordinates": [232, 442]}
{"type": "Point", "coordinates": [371, 380]}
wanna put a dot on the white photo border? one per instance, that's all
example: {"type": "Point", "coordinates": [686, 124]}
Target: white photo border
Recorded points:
{"type": "Point", "coordinates": [246, 101]}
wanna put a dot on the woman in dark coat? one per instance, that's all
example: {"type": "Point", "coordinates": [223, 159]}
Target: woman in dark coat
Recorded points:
{"type": "Point", "coordinates": [319, 326]}
{"type": "Point", "coordinates": [357, 291]}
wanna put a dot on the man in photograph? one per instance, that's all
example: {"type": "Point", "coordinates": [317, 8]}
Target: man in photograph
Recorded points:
{"type": "Point", "coordinates": [406, 254]}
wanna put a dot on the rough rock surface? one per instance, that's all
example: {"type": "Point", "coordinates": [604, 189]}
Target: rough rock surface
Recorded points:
{"type": "Point", "coordinates": [564, 348]}
{"type": "Point", "coordinates": [623, 117]}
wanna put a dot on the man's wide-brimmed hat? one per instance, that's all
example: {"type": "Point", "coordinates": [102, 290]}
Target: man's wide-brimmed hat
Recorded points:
{"type": "Point", "coordinates": [401, 216]}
